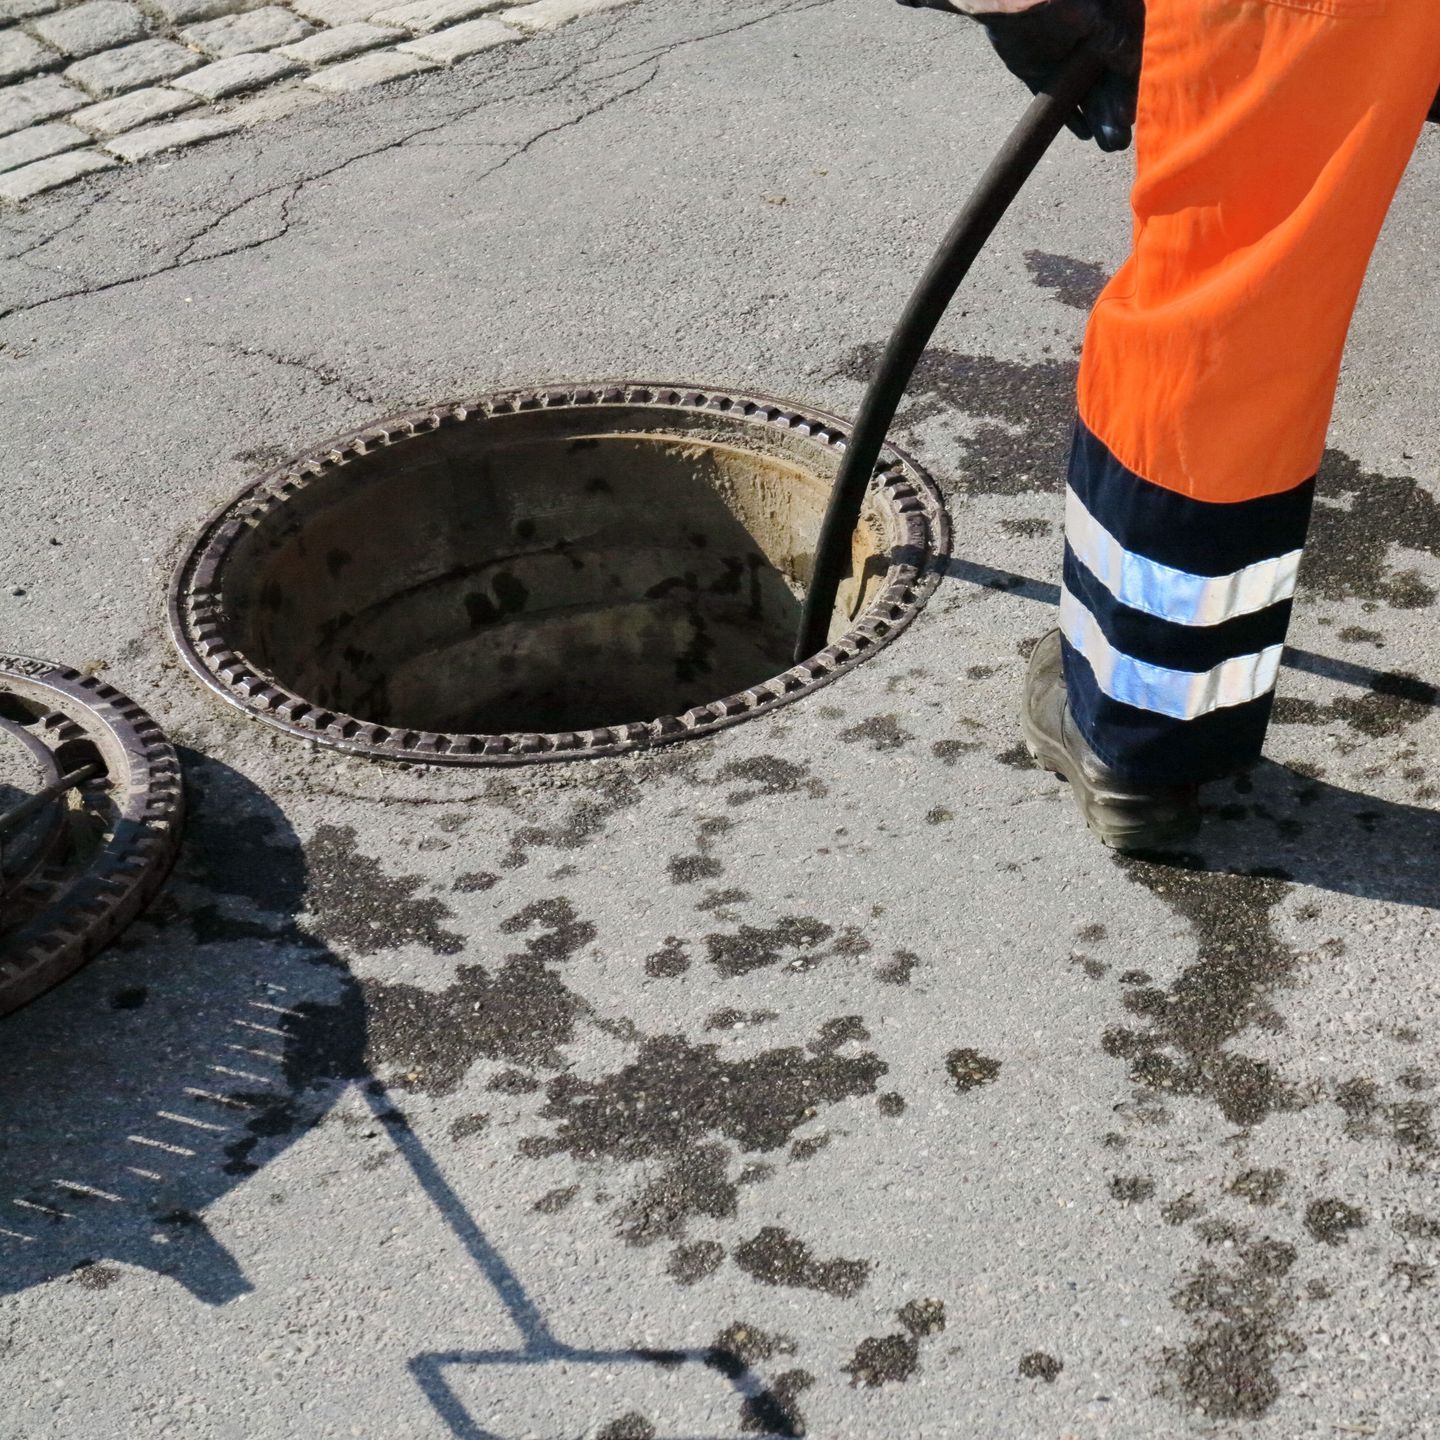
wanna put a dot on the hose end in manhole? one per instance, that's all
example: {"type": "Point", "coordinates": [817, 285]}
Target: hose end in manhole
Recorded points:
{"type": "Point", "coordinates": [91, 805]}
{"type": "Point", "coordinates": [546, 574]}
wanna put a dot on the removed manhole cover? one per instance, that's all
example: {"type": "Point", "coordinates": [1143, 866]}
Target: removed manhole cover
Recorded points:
{"type": "Point", "coordinates": [546, 574]}
{"type": "Point", "coordinates": [90, 812]}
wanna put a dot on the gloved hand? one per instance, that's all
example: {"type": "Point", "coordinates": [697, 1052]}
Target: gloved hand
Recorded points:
{"type": "Point", "coordinates": [1435, 111]}
{"type": "Point", "coordinates": [1035, 42]}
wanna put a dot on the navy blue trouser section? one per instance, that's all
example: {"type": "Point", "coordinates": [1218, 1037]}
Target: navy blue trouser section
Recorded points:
{"type": "Point", "coordinates": [1147, 662]}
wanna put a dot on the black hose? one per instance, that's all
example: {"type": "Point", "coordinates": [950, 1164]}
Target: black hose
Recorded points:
{"type": "Point", "coordinates": [1000, 184]}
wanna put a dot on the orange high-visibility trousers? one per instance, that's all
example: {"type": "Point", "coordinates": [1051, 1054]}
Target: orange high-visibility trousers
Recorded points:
{"type": "Point", "coordinates": [1270, 139]}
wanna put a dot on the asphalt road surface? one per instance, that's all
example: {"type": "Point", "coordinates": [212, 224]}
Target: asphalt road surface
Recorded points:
{"type": "Point", "coordinates": [819, 1077]}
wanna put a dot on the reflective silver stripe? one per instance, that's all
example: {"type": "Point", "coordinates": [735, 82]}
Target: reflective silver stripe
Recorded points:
{"type": "Point", "coordinates": [1170, 594]}
{"type": "Point", "coordinates": [1180, 694]}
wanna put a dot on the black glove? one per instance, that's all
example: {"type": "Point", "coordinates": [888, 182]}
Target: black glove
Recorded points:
{"type": "Point", "coordinates": [1035, 43]}
{"type": "Point", "coordinates": [1434, 109]}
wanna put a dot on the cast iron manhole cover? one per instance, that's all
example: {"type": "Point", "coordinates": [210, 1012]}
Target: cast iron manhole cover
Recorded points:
{"type": "Point", "coordinates": [90, 812]}
{"type": "Point", "coordinates": [545, 574]}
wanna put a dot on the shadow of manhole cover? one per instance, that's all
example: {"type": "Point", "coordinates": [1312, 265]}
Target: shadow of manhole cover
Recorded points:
{"type": "Point", "coordinates": [546, 574]}
{"type": "Point", "coordinates": [90, 811]}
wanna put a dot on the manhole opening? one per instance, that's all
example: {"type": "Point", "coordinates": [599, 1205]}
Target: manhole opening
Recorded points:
{"type": "Point", "coordinates": [550, 572]}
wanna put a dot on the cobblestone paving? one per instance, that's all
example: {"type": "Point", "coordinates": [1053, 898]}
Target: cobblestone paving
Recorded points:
{"type": "Point", "coordinates": [88, 86]}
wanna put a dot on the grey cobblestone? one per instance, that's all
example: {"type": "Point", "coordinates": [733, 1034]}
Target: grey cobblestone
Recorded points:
{"type": "Point", "coordinates": [339, 12]}
{"type": "Point", "coordinates": [37, 100]}
{"type": "Point", "coordinates": [44, 175]}
{"type": "Point", "coordinates": [461, 41]}
{"type": "Point", "coordinates": [113, 91]}
{"type": "Point", "coordinates": [113, 72]}
{"type": "Point", "coordinates": [139, 107]}
{"type": "Point", "coordinates": [22, 55]}
{"type": "Point", "coordinates": [38, 142]}
{"type": "Point", "coordinates": [420, 17]}
{"type": "Point", "coordinates": [23, 9]}
{"type": "Point", "coordinates": [236, 75]}
{"type": "Point", "coordinates": [373, 69]}
{"type": "Point", "coordinates": [86, 29]}
{"type": "Point", "coordinates": [274, 104]}
{"type": "Point", "coordinates": [324, 47]}
{"type": "Point", "coordinates": [172, 136]}
{"type": "Point", "coordinates": [185, 12]}
{"type": "Point", "coordinates": [552, 14]}
{"type": "Point", "coordinates": [241, 34]}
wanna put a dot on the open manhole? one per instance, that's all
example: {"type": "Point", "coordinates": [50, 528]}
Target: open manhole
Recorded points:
{"type": "Point", "coordinates": [90, 812]}
{"type": "Point", "coordinates": [546, 574]}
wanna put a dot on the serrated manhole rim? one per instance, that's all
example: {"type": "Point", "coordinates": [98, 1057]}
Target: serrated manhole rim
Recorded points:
{"type": "Point", "coordinates": [92, 907]}
{"type": "Point", "coordinates": [197, 618]}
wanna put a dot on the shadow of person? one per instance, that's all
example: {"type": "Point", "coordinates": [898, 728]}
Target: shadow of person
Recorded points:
{"type": "Point", "coordinates": [210, 1038]}
{"type": "Point", "coordinates": [1279, 823]}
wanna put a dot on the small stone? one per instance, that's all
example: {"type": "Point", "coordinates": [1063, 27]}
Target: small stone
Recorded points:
{"type": "Point", "coordinates": [241, 34]}
{"type": "Point", "coordinates": [274, 105]}
{"type": "Point", "coordinates": [461, 41]}
{"type": "Point", "coordinates": [39, 142]}
{"type": "Point", "coordinates": [139, 107]}
{"type": "Point", "coordinates": [43, 175]}
{"type": "Point", "coordinates": [420, 17]}
{"type": "Point", "coordinates": [87, 29]}
{"type": "Point", "coordinates": [20, 55]}
{"type": "Point", "coordinates": [552, 14]}
{"type": "Point", "coordinates": [368, 70]}
{"type": "Point", "coordinates": [115, 71]}
{"type": "Point", "coordinates": [37, 100]}
{"type": "Point", "coordinates": [155, 138]}
{"type": "Point", "coordinates": [184, 12]}
{"type": "Point", "coordinates": [236, 75]}
{"type": "Point", "coordinates": [24, 9]}
{"type": "Point", "coordinates": [339, 12]}
{"type": "Point", "coordinates": [326, 46]}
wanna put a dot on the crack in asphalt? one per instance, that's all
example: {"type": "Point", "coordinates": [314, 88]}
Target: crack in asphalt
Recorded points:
{"type": "Point", "coordinates": [653, 57]}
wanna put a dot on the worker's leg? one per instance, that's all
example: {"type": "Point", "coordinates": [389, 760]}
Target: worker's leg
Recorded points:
{"type": "Point", "coordinates": [1270, 140]}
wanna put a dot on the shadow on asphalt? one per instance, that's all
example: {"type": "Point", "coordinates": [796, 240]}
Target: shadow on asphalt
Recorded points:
{"type": "Point", "coordinates": [137, 1093]}
{"type": "Point", "coordinates": [129, 1105]}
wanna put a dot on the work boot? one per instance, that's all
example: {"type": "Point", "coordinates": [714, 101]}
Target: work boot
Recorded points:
{"type": "Point", "coordinates": [1125, 815]}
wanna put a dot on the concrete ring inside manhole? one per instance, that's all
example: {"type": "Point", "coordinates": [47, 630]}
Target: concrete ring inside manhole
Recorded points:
{"type": "Point", "coordinates": [91, 804]}
{"type": "Point", "coordinates": [546, 574]}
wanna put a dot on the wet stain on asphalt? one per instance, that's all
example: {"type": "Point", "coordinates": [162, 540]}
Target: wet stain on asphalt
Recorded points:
{"type": "Point", "coordinates": [1259, 1186]}
{"type": "Point", "coordinates": [90, 1275]}
{"type": "Point", "coordinates": [899, 969]}
{"type": "Point", "coordinates": [885, 1359]}
{"type": "Point", "coordinates": [880, 732]}
{"type": "Point", "coordinates": [969, 1069]}
{"type": "Point", "coordinates": [1391, 704]}
{"type": "Point", "coordinates": [1037, 1365]}
{"type": "Point", "coordinates": [677, 1103]}
{"type": "Point", "coordinates": [1330, 1220]}
{"type": "Point", "coordinates": [774, 1410]}
{"type": "Point", "coordinates": [520, 1012]}
{"type": "Point", "coordinates": [775, 1257]}
{"type": "Point", "coordinates": [357, 907]}
{"type": "Point", "coordinates": [754, 947]}
{"type": "Point", "coordinates": [765, 776]}
{"type": "Point", "coordinates": [1076, 283]}
{"type": "Point", "coordinates": [632, 1426]}
{"type": "Point", "coordinates": [1359, 516]}
{"type": "Point", "coordinates": [1182, 1046]}
{"type": "Point", "coordinates": [1241, 1310]}
{"type": "Point", "coordinates": [689, 1264]}
{"type": "Point", "coordinates": [669, 961]}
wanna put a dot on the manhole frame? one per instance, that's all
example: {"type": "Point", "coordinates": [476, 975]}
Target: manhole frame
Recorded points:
{"type": "Point", "coordinates": [89, 911]}
{"type": "Point", "coordinates": [196, 615]}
